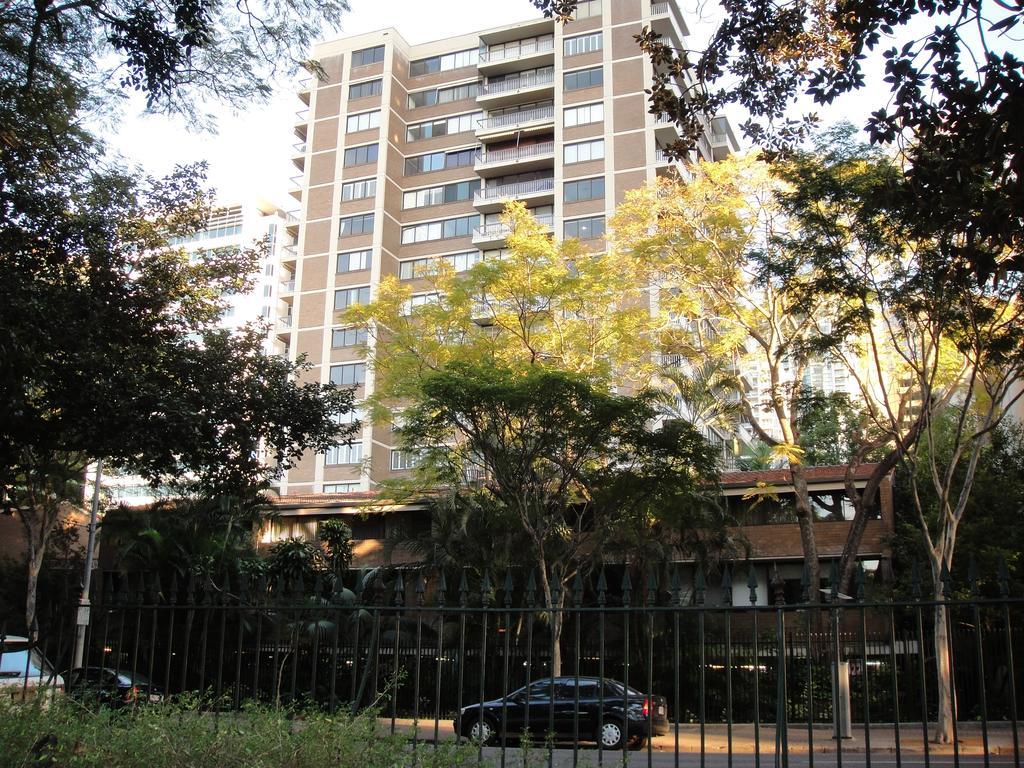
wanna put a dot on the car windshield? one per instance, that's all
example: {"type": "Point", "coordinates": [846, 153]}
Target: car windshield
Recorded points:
{"type": "Point", "coordinates": [13, 663]}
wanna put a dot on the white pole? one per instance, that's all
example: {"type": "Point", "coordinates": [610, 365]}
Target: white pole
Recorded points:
{"type": "Point", "coordinates": [82, 620]}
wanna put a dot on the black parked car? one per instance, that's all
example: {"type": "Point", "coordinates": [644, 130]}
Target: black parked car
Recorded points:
{"type": "Point", "coordinates": [111, 687]}
{"type": "Point", "coordinates": [611, 731]}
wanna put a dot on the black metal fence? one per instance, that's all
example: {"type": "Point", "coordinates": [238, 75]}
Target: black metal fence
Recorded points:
{"type": "Point", "coordinates": [418, 647]}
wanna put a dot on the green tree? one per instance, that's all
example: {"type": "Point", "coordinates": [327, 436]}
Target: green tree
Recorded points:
{"type": "Point", "coordinates": [952, 108]}
{"type": "Point", "coordinates": [564, 458]}
{"type": "Point", "coordinates": [827, 422]}
{"type": "Point", "coordinates": [919, 338]}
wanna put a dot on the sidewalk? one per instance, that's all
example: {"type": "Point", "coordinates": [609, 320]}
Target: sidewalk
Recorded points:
{"type": "Point", "coordinates": [716, 738]}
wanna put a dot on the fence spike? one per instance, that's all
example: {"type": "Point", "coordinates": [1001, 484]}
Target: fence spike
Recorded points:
{"type": "Point", "coordinates": [675, 585]}
{"type": "Point", "coordinates": [172, 592]}
{"type": "Point", "coordinates": [420, 588]}
{"type": "Point", "coordinates": [531, 589]}
{"type": "Point", "coordinates": [243, 588]}
{"type": "Point", "coordinates": [280, 588]}
{"type": "Point", "coordinates": [727, 586]}
{"type": "Point", "coordinates": [442, 587]}
{"type": "Point", "coordinates": [318, 585]}
{"type": "Point", "coordinates": [190, 590]}
{"type": "Point", "coordinates": [508, 587]}
{"type": "Point", "coordinates": [463, 589]}
{"type": "Point", "coordinates": [156, 588]}
{"type": "Point", "coordinates": [378, 586]}
{"type": "Point", "coordinates": [627, 586]}
{"type": "Point", "coordinates": [121, 593]}
{"type": "Point", "coordinates": [752, 584]}
{"type": "Point", "coordinates": [399, 591]}
{"type": "Point", "coordinates": [699, 584]}
{"type": "Point", "coordinates": [556, 588]}
{"type": "Point", "coordinates": [261, 588]}
{"type": "Point", "coordinates": [602, 587]}
{"type": "Point", "coordinates": [1004, 578]}
{"type": "Point", "coordinates": [225, 589]}
{"type": "Point", "coordinates": [861, 579]}
{"type": "Point", "coordinates": [972, 575]}
{"type": "Point", "coordinates": [915, 580]}
{"type": "Point", "coordinates": [805, 584]}
{"type": "Point", "coordinates": [652, 587]}
{"type": "Point", "coordinates": [947, 581]}
{"type": "Point", "coordinates": [577, 590]}
{"type": "Point", "coordinates": [833, 578]}
{"type": "Point", "coordinates": [299, 587]}
{"type": "Point", "coordinates": [778, 586]}
{"type": "Point", "coordinates": [485, 588]}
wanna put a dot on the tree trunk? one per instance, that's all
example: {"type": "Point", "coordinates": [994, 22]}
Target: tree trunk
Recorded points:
{"type": "Point", "coordinates": [35, 565]}
{"type": "Point", "coordinates": [556, 619]}
{"type": "Point", "coordinates": [805, 518]}
{"type": "Point", "coordinates": [944, 727]}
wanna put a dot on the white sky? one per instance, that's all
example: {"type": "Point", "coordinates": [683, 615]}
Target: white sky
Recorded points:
{"type": "Point", "coordinates": [250, 154]}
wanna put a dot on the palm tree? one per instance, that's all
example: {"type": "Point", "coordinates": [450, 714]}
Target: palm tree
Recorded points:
{"type": "Point", "coordinates": [706, 396]}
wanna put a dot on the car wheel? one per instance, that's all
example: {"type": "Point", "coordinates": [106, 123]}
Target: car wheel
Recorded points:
{"type": "Point", "coordinates": [611, 735]}
{"type": "Point", "coordinates": [637, 743]}
{"type": "Point", "coordinates": [480, 731]}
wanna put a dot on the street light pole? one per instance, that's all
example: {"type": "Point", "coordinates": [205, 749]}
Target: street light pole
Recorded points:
{"type": "Point", "coordinates": [82, 619]}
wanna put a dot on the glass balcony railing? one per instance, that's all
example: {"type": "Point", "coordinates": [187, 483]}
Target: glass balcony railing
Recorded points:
{"type": "Point", "coordinates": [499, 230]}
{"type": "Point", "coordinates": [510, 52]}
{"type": "Point", "coordinates": [517, 83]}
{"type": "Point", "coordinates": [512, 119]}
{"type": "Point", "coordinates": [512, 191]}
{"type": "Point", "coordinates": [516, 154]}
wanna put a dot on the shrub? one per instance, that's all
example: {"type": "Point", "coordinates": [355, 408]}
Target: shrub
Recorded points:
{"type": "Point", "coordinates": [62, 732]}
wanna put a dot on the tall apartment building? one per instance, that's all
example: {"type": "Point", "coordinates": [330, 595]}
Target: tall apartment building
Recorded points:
{"type": "Point", "coordinates": [410, 152]}
{"type": "Point", "coordinates": [235, 225]}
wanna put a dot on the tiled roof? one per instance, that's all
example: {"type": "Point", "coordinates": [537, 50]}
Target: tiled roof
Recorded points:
{"type": "Point", "coordinates": [831, 474]}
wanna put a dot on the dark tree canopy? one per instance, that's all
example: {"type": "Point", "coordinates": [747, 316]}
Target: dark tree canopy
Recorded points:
{"type": "Point", "coordinates": [955, 105]}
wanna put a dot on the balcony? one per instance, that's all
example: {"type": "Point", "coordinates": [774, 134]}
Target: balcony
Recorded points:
{"type": "Point", "coordinates": [506, 92]}
{"type": "Point", "coordinates": [530, 157]}
{"type": "Point", "coordinates": [284, 327]}
{"type": "Point", "coordinates": [721, 138]}
{"type": "Point", "coordinates": [534, 191]}
{"type": "Point", "coordinates": [304, 90]}
{"type": "Point", "coordinates": [508, 58]}
{"type": "Point", "coordinates": [667, 21]}
{"type": "Point", "coordinates": [493, 234]}
{"type": "Point", "coordinates": [289, 253]}
{"type": "Point", "coordinates": [522, 121]}
{"type": "Point", "coordinates": [287, 287]}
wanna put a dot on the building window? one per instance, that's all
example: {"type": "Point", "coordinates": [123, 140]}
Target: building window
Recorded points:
{"type": "Point", "coordinates": [363, 121]}
{"type": "Point", "coordinates": [444, 62]}
{"type": "Point", "coordinates": [419, 300]}
{"type": "Point", "coordinates": [439, 230]}
{"type": "Point", "coordinates": [361, 224]}
{"type": "Point", "coordinates": [348, 375]}
{"type": "Point", "coordinates": [437, 161]}
{"type": "Point", "coordinates": [368, 56]}
{"type": "Point", "coordinates": [404, 460]}
{"type": "Point", "coordinates": [447, 95]}
{"type": "Point", "coordinates": [268, 291]}
{"type": "Point", "coordinates": [345, 453]}
{"type": "Point", "coordinates": [589, 228]}
{"type": "Point", "coordinates": [583, 78]}
{"type": "Point", "coordinates": [353, 416]}
{"type": "Point", "coordinates": [584, 189]}
{"type": "Point", "coordinates": [364, 89]}
{"type": "Point", "coordinates": [587, 9]}
{"type": "Point", "coordinates": [445, 127]}
{"type": "Point", "coordinates": [363, 155]}
{"type": "Point", "coordinates": [459, 262]}
{"type": "Point", "coordinates": [341, 488]}
{"type": "Point", "coordinates": [584, 151]}
{"type": "Point", "coordinates": [354, 261]}
{"type": "Point", "coordinates": [574, 46]}
{"type": "Point", "coordinates": [347, 297]}
{"type": "Point", "coordinates": [357, 190]}
{"type": "Point", "coordinates": [348, 337]}
{"type": "Point", "coordinates": [584, 114]}
{"type": "Point", "coordinates": [445, 193]}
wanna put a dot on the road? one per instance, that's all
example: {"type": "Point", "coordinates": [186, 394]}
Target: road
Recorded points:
{"type": "Point", "coordinates": [588, 758]}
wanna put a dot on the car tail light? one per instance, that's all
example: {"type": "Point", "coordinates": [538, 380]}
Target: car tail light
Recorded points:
{"type": "Point", "coordinates": [647, 707]}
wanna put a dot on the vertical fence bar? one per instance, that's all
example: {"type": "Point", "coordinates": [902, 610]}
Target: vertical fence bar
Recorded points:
{"type": "Point", "coordinates": [677, 602]}
{"type": "Point", "coordinates": [602, 591]}
{"type": "Point", "coordinates": [836, 660]}
{"type": "Point", "coordinates": [947, 595]}
{"type": "Point", "coordinates": [782, 693]}
{"type": "Point", "coordinates": [420, 590]}
{"type": "Point", "coordinates": [555, 588]}
{"type": "Point", "coordinates": [1004, 594]}
{"type": "Point", "coordinates": [531, 604]}
{"type": "Point", "coordinates": [727, 602]}
{"type": "Point", "coordinates": [172, 614]}
{"type": "Point", "coordinates": [243, 604]}
{"type": "Point", "coordinates": [810, 614]}
{"type": "Point", "coordinates": [358, 614]}
{"type": "Point", "coordinates": [399, 602]}
{"type": "Point", "coordinates": [442, 587]}
{"type": "Point", "coordinates": [894, 675]}
{"type": "Point", "coordinates": [508, 587]}
{"type": "Point", "coordinates": [865, 668]}
{"type": "Point", "coordinates": [752, 586]}
{"type": "Point", "coordinates": [627, 586]}
{"type": "Point", "coordinates": [972, 578]}
{"type": "Point", "coordinates": [298, 616]}
{"type": "Point", "coordinates": [577, 602]}
{"type": "Point", "coordinates": [259, 599]}
{"type": "Point", "coordinates": [224, 601]}
{"type": "Point", "coordinates": [463, 604]}
{"type": "Point", "coordinates": [652, 597]}
{"type": "Point", "coordinates": [485, 602]}
{"type": "Point", "coordinates": [699, 586]}
{"type": "Point", "coordinates": [315, 628]}
{"type": "Point", "coordinates": [915, 579]}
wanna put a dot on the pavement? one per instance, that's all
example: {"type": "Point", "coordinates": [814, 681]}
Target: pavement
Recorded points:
{"type": "Point", "coordinates": [879, 740]}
